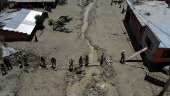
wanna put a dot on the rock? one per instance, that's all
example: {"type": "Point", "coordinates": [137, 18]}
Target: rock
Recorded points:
{"type": "Point", "coordinates": [124, 32]}
{"type": "Point", "coordinates": [78, 71]}
{"type": "Point", "coordinates": [95, 79]}
{"type": "Point", "coordinates": [94, 74]}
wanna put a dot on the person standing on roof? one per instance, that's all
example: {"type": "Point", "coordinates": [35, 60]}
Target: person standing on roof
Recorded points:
{"type": "Point", "coordinates": [123, 56]}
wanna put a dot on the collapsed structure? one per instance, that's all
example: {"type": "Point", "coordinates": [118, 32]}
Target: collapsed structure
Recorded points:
{"type": "Point", "coordinates": [150, 24]}
{"type": "Point", "coordinates": [18, 25]}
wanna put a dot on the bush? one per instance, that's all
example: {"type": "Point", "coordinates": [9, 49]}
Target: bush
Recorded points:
{"type": "Point", "coordinates": [50, 21]}
{"type": "Point", "coordinates": [39, 20]}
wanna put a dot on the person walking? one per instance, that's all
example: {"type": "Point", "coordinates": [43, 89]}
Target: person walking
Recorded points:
{"type": "Point", "coordinates": [111, 2]}
{"type": "Point", "coordinates": [25, 58]}
{"type": "Point", "coordinates": [42, 61]}
{"type": "Point", "coordinates": [102, 59]}
{"type": "Point", "coordinates": [81, 61]}
{"type": "Point", "coordinates": [19, 61]}
{"type": "Point", "coordinates": [86, 60]}
{"type": "Point", "coordinates": [2, 67]}
{"type": "Point", "coordinates": [7, 63]}
{"type": "Point", "coordinates": [53, 61]}
{"type": "Point", "coordinates": [71, 64]}
{"type": "Point", "coordinates": [123, 56]}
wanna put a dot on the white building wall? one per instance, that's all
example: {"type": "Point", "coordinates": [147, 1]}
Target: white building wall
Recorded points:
{"type": "Point", "coordinates": [154, 40]}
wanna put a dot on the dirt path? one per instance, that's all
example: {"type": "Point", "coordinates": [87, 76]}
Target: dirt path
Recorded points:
{"type": "Point", "coordinates": [77, 88]}
{"type": "Point", "coordinates": [92, 81]}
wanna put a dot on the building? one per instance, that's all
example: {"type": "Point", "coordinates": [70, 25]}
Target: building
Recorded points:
{"type": "Point", "coordinates": [150, 24]}
{"type": "Point", "coordinates": [33, 3]}
{"type": "Point", "coordinates": [18, 25]}
{"type": "Point", "coordinates": [3, 4]}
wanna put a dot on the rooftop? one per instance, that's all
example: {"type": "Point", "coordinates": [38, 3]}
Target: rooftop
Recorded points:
{"type": "Point", "coordinates": [156, 12]}
{"type": "Point", "coordinates": [163, 34]}
{"type": "Point", "coordinates": [21, 21]}
{"type": "Point", "coordinates": [31, 0]}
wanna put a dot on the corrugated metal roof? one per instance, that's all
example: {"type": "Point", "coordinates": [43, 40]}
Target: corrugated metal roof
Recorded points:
{"type": "Point", "coordinates": [31, 0]}
{"type": "Point", "coordinates": [163, 35]}
{"type": "Point", "coordinates": [16, 21]}
{"type": "Point", "coordinates": [23, 21]}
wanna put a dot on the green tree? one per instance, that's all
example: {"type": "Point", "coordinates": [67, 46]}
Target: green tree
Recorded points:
{"type": "Point", "coordinates": [61, 22]}
{"type": "Point", "coordinates": [39, 20]}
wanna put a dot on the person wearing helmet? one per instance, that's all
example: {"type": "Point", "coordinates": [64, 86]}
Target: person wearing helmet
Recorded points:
{"type": "Point", "coordinates": [123, 56]}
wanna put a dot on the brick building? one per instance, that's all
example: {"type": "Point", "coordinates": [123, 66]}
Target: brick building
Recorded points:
{"type": "Point", "coordinates": [150, 24]}
{"type": "Point", "coordinates": [18, 25]}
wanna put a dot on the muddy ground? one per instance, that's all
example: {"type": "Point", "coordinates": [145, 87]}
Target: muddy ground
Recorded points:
{"type": "Point", "coordinates": [96, 27]}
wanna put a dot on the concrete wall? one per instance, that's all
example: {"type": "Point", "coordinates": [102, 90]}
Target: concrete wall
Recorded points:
{"type": "Point", "coordinates": [11, 35]}
{"type": "Point", "coordinates": [155, 41]}
{"type": "Point", "coordinates": [158, 54]}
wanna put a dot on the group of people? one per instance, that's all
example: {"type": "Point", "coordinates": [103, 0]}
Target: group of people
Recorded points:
{"type": "Point", "coordinates": [43, 64]}
{"type": "Point", "coordinates": [6, 64]}
{"type": "Point", "coordinates": [86, 61]}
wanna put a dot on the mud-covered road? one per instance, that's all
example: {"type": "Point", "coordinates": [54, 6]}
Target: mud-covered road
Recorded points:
{"type": "Point", "coordinates": [96, 27]}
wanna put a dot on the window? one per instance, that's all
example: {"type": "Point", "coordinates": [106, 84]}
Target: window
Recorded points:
{"type": "Point", "coordinates": [133, 17]}
{"type": "Point", "coordinates": [166, 54]}
{"type": "Point", "coordinates": [139, 28]}
{"type": "Point", "coordinates": [149, 43]}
